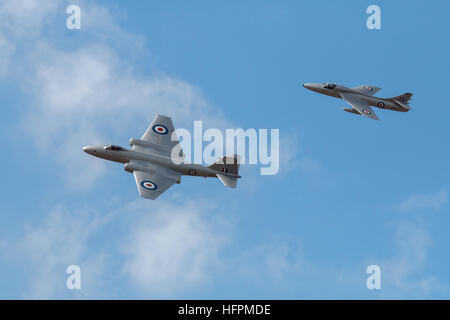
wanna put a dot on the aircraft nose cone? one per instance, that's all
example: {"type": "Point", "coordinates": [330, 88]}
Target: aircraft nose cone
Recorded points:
{"type": "Point", "coordinates": [307, 85]}
{"type": "Point", "coordinates": [88, 149]}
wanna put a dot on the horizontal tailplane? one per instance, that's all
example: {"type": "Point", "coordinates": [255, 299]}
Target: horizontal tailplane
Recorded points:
{"type": "Point", "coordinates": [227, 180]}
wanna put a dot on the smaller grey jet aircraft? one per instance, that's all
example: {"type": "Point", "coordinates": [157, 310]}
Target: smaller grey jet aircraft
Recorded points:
{"type": "Point", "coordinates": [150, 160]}
{"type": "Point", "coordinates": [361, 98]}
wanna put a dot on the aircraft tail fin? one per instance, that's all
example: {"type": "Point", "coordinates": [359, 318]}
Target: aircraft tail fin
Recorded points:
{"type": "Point", "coordinates": [228, 170]}
{"type": "Point", "coordinates": [227, 165]}
{"type": "Point", "coordinates": [403, 100]}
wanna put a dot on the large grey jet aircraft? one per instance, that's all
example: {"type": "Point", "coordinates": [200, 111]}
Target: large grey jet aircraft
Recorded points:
{"type": "Point", "coordinates": [151, 162]}
{"type": "Point", "coordinates": [361, 98]}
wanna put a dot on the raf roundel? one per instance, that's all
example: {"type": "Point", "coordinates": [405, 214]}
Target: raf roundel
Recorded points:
{"type": "Point", "coordinates": [149, 185]}
{"type": "Point", "coordinates": [192, 172]}
{"type": "Point", "coordinates": [160, 129]}
{"type": "Point", "coordinates": [380, 105]}
{"type": "Point", "coordinates": [368, 88]}
{"type": "Point", "coordinates": [366, 111]}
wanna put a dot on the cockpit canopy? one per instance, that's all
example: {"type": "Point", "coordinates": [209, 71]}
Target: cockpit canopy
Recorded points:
{"type": "Point", "coordinates": [113, 147]}
{"type": "Point", "coordinates": [328, 86]}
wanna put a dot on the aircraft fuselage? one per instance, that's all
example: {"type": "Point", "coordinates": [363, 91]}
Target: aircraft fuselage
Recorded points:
{"type": "Point", "coordinates": [148, 159]}
{"type": "Point", "coordinates": [381, 103]}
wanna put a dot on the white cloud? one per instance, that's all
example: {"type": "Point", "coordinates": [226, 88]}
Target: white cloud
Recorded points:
{"type": "Point", "coordinates": [20, 21]}
{"type": "Point", "coordinates": [60, 241]}
{"type": "Point", "coordinates": [92, 96]}
{"type": "Point", "coordinates": [25, 18]}
{"type": "Point", "coordinates": [173, 249]}
{"type": "Point", "coordinates": [412, 243]}
{"type": "Point", "coordinates": [169, 249]}
{"type": "Point", "coordinates": [419, 201]}
{"type": "Point", "coordinates": [272, 261]}
{"type": "Point", "coordinates": [89, 95]}
{"type": "Point", "coordinates": [94, 81]}
{"type": "Point", "coordinates": [402, 274]}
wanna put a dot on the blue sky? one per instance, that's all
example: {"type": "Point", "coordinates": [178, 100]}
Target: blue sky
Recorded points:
{"type": "Point", "coordinates": [350, 192]}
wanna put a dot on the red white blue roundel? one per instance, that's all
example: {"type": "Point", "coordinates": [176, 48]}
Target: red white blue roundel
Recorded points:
{"type": "Point", "coordinates": [380, 105]}
{"type": "Point", "coordinates": [192, 172]}
{"type": "Point", "coordinates": [366, 111]}
{"type": "Point", "coordinates": [368, 88]}
{"type": "Point", "coordinates": [160, 129]}
{"type": "Point", "coordinates": [149, 185]}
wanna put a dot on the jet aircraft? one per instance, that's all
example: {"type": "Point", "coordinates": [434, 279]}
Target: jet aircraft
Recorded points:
{"type": "Point", "coordinates": [361, 98]}
{"type": "Point", "coordinates": [150, 160]}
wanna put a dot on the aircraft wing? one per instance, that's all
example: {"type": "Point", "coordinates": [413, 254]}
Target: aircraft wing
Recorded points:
{"type": "Point", "coordinates": [159, 133]}
{"type": "Point", "coordinates": [152, 185]}
{"type": "Point", "coordinates": [359, 105]}
{"type": "Point", "coordinates": [367, 90]}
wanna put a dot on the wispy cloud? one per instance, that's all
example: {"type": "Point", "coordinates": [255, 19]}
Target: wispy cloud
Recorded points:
{"type": "Point", "coordinates": [59, 241]}
{"type": "Point", "coordinates": [88, 95]}
{"type": "Point", "coordinates": [25, 18]}
{"type": "Point", "coordinates": [404, 273]}
{"type": "Point", "coordinates": [417, 201]}
{"type": "Point", "coordinates": [19, 22]}
{"type": "Point", "coordinates": [173, 249]}
{"type": "Point", "coordinates": [167, 249]}
{"type": "Point", "coordinates": [91, 97]}
{"type": "Point", "coordinates": [272, 261]}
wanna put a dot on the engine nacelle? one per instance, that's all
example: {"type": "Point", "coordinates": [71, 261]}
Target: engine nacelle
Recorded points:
{"type": "Point", "coordinates": [131, 167]}
{"type": "Point", "coordinates": [143, 143]}
{"type": "Point", "coordinates": [148, 144]}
